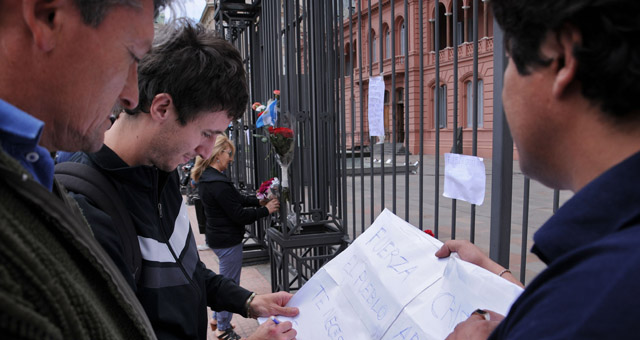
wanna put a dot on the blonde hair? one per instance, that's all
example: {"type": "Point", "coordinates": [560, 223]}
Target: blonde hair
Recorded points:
{"type": "Point", "coordinates": [222, 142]}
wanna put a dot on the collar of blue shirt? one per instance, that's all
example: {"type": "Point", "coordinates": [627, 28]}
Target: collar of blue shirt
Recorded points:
{"type": "Point", "coordinates": [19, 136]}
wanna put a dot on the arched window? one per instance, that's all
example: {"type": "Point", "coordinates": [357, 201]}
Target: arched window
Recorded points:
{"type": "Point", "coordinates": [441, 108]}
{"type": "Point", "coordinates": [442, 26]}
{"type": "Point", "coordinates": [387, 43]}
{"type": "Point", "coordinates": [469, 90]}
{"type": "Point", "coordinates": [347, 59]}
{"type": "Point", "coordinates": [403, 33]}
{"type": "Point", "coordinates": [374, 48]}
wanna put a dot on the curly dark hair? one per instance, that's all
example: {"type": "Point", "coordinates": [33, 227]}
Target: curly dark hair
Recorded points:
{"type": "Point", "coordinates": [608, 57]}
{"type": "Point", "coordinates": [201, 72]}
{"type": "Point", "coordinates": [94, 11]}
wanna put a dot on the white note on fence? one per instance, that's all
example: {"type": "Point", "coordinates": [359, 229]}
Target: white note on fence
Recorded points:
{"type": "Point", "coordinates": [464, 178]}
{"type": "Point", "coordinates": [375, 109]}
{"type": "Point", "coordinates": [388, 284]}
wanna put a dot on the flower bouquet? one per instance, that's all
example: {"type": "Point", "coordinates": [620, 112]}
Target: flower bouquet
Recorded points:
{"type": "Point", "coordinates": [268, 189]}
{"type": "Point", "coordinates": [281, 139]}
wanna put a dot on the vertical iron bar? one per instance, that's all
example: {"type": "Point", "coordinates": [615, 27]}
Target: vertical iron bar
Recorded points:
{"type": "Point", "coordinates": [436, 114]}
{"type": "Point", "coordinates": [474, 141]}
{"type": "Point", "coordinates": [525, 229]}
{"type": "Point", "coordinates": [362, 224]}
{"type": "Point", "coordinates": [455, 106]}
{"type": "Point", "coordinates": [382, 39]}
{"type": "Point", "coordinates": [372, 148]}
{"type": "Point", "coordinates": [406, 110]}
{"type": "Point", "coordinates": [421, 69]}
{"type": "Point", "coordinates": [502, 163]}
{"type": "Point", "coordinates": [343, 120]}
{"type": "Point", "coordinates": [353, 120]}
{"type": "Point", "coordinates": [393, 101]}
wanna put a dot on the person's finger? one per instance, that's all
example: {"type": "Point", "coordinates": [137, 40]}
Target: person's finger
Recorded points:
{"type": "Point", "coordinates": [287, 311]}
{"type": "Point", "coordinates": [444, 251]}
{"type": "Point", "coordinates": [451, 246]}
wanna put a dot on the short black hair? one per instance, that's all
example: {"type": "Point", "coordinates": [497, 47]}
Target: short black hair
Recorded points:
{"type": "Point", "coordinates": [200, 70]}
{"type": "Point", "coordinates": [608, 57]}
{"type": "Point", "coordinates": [94, 11]}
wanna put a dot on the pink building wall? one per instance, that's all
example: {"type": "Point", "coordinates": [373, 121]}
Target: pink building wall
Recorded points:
{"type": "Point", "coordinates": [465, 73]}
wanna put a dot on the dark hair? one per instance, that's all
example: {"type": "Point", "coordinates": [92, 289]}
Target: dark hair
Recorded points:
{"type": "Point", "coordinates": [608, 57]}
{"type": "Point", "coordinates": [94, 11]}
{"type": "Point", "coordinates": [201, 72]}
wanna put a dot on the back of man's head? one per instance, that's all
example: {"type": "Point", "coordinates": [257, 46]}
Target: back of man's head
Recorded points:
{"type": "Point", "coordinates": [199, 70]}
{"type": "Point", "coordinates": [609, 53]}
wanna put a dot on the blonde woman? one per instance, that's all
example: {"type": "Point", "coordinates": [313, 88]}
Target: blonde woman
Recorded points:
{"type": "Point", "coordinates": [227, 211]}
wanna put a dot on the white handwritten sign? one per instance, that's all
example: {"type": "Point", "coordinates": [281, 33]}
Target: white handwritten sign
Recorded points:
{"type": "Point", "coordinates": [464, 178]}
{"type": "Point", "coordinates": [388, 284]}
{"type": "Point", "coordinates": [376, 106]}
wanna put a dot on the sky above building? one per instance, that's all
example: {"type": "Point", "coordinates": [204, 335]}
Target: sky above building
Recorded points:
{"type": "Point", "coordinates": [189, 8]}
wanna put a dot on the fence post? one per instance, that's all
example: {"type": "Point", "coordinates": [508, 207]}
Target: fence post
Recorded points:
{"type": "Point", "coordinates": [502, 163]}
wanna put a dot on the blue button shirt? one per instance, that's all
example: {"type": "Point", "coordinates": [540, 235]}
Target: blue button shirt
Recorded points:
{"type": "Point", "coordinates": [19, 135]}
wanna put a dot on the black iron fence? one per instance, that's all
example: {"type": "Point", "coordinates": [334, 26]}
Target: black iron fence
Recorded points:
{"type": "Point", "coordinates": [441, 63]}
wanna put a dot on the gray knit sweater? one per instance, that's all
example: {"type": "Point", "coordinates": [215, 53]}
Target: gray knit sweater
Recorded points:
{"type": "Point", "coordinates": [56, 282]}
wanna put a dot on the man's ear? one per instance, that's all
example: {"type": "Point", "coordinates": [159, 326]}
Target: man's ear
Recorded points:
{"type": "Point", "coordinates": [161, 107]}
{"type": "Point", "coordinates": [42, 20]}
{"type": "Point", "coordinates": [565, 62]}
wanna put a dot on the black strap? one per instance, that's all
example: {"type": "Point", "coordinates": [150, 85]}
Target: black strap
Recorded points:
{"type": "Point", "coordinates": [83, 179]}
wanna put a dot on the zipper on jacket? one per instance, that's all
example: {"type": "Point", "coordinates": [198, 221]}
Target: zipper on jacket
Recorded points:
{"type": "Point", "coordinates": [160, 210]}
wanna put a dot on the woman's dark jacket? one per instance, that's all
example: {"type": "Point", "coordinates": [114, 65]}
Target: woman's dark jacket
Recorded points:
{"type": "Point", "coordinates": [226, 209]}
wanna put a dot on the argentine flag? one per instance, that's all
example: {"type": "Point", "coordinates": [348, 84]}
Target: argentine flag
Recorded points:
{"type": "Point", "coordinates": [269, 116]}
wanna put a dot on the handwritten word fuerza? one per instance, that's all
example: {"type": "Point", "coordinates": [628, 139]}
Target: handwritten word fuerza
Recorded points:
{"type": "Point", "coordinates": [384, 248]}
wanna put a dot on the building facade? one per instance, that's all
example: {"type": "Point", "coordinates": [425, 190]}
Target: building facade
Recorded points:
{"type": "Point", "coordinates": [383, 41]}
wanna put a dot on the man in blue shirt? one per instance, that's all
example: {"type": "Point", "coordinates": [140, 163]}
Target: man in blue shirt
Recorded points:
{"type": "Point", "coordinates": [570, 97]}
{"type": "Point", "coordinates": [63, 66]}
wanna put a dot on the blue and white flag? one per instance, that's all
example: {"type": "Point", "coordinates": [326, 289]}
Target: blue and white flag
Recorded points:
{"type": "Point", "coordinates": [270, 115]}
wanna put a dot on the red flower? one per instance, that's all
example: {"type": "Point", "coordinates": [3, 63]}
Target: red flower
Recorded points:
{"type": "Point", "coordinates": [283, 131]}
{"type": "Point", "coordinates": [276, 92]}
{"type": "Point", "coordinates": [262, 192]}
{"type": "Point", "coordinates": [429, 232]}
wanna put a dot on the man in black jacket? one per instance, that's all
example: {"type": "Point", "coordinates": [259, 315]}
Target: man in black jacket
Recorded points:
{"type": "Point", "coordinates": [191, 85]}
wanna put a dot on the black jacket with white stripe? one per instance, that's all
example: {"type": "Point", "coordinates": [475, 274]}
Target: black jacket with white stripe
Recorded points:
{"type": "Point", "coordinates": [175, 287]}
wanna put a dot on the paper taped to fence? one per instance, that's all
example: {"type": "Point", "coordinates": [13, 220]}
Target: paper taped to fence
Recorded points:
{"type": "Point", "coordinates": [388, 284]}
{"type": "Point", "coordinates": [464, 178]}
{"type": "Point", "coordinates": [375, 109]}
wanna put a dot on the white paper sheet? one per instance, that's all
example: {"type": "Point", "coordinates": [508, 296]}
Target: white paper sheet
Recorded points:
{"type": "Point", "coordinates": [464, 178]}
{"type": "Point", "coordinates": [376, 106]}
{"type": "Point", "coordinates": [388, 284]}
